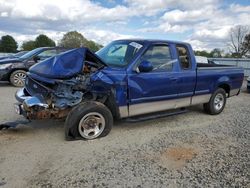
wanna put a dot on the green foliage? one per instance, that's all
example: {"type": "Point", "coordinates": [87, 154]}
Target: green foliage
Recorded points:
{"type": "Point", "coordinates": [202, 53]}
{"type": "Point", "coordinates": [214, 53]}
{"type": "Point", "coordinates": [44, 41]}
{"type": "Point", "coordinates": [74, 39]}
{"type": "Point", "coordinates": [8, 44]}
{"type": "Point", "coordinates": [28, 45]}
{"type": "Point", "coordinates": [93, 46]}
{"type": "Point", "coordinates": [40, 41]}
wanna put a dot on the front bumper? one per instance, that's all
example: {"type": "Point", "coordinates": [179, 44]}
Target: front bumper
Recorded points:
{"type": "Point", "coordinates": [28, 104]}
{"type": "Point", "coordinates": [35, 107]}
{"type": "Point", "coordinates": [30, 101]}
{"type": "Point", "coordinates": [4, 75]}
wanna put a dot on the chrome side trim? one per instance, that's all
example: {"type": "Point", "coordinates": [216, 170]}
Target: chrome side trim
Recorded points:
{"type": "Point", "coordinates": [200, 99]}
{"type": "Point", "coordinates": [234, 92]}
{"type": "Point", "coordinates": [123, 111]}
{"type": "Point", "coordinates": [219, 67]}
{"type": "Point", "coordinates": [149, 107]}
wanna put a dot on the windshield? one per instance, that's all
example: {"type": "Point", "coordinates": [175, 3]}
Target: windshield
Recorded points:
{"type": "Point", "coordinates": [30, 54]}
{"type": "Point", "coordinates": [119, 53]}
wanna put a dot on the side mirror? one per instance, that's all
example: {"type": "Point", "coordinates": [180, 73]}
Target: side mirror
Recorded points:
{"type": "Point", "coordinates": [36, 59]}
{"type": "Point", "coordinates": [145, 66]}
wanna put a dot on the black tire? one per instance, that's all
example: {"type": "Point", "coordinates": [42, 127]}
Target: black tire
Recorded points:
{"type": "Point", "coordinates": [211, 107]}
{"type": "Point", "coordinates": [17, 78]}
{"type": "Point", "coordinates": [76, 115]}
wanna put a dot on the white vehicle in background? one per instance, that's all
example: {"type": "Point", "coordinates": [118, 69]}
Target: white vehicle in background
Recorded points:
{"type": "Point", "coordinates": [203, 59]}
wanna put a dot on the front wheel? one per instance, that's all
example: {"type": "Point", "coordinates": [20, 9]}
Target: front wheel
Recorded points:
{"type": "Point", "coordinates": [88, 120]}
{"type": "Point", "coordinates": [216, 103]}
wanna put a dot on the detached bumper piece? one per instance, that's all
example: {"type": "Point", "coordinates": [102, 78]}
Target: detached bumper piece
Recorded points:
{"type": "Point", "coordinates": [35, 107]}
{"type": "Point", "coordinates": [13, 124]}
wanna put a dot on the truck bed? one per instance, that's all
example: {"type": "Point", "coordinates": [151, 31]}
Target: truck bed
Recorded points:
{"type": "Point", "coordinates": [210, 76]}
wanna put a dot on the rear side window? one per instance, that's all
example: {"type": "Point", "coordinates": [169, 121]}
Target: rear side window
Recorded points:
{"type": "Point", "coordinates": [159, 56]}
{"type": "Point", "coordinates": [183, 57]}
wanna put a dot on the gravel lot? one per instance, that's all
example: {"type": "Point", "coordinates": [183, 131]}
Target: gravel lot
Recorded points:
{"type": "Point", "coordinates": [188, 150]}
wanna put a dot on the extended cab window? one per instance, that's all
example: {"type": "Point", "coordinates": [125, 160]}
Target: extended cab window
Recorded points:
{"type": "Point", "coordinates": [159, 56]}
{"type": "Point", "coordinates": [183, 57]}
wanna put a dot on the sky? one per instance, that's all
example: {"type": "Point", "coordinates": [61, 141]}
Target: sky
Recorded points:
{"type": "Point", "coordinates": [203, 23]}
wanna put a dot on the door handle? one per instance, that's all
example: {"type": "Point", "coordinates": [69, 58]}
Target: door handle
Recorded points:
{"type": "Point", "coordinates": [173, 79]}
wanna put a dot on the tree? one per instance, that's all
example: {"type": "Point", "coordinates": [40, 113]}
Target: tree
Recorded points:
{"type": "Point", "coordinates": [28, 45]}
{"type": "Point", "coordinates": [44, 41]}
{"type": "Point", "coordinates": [246, 43]}
{"type": "Point", "coordinates": [216, 53]}
{"type": "Point", "coordinates": [236, 45]}
{"type": "Point", "coordinates": [74, 39]}
{"type": "Point", "coordinates": [8, 44]}
{"type": "Point", "coordinates": [202, 53]}
{"type": "Point", "coordinates": [93, 46]}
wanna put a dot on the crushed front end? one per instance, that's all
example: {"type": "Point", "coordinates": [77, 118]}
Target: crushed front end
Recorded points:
{"type": "Point", "coordinates": [43, 101]}
{"type": "Point", "coordinates": [53, 87]}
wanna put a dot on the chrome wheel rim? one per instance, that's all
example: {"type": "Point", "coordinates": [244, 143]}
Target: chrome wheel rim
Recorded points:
{"type": "Point", "coordinates": [19, 78]}
{"type": "Point", "coordinates": [91, 125]}
{"type": "Point", "coordinates": [218, 101]}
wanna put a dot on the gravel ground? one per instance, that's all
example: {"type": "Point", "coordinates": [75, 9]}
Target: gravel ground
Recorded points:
{"type": "Point", "coordinates": [188, 150]}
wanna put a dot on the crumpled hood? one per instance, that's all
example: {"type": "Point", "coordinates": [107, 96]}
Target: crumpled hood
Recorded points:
{"type": "Point", "coordinates": [64, 65]}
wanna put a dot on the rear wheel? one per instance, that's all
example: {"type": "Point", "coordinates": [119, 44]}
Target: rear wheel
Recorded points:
{"type": "Point", "coordinates": [17, 78]}
{"type": "Point", "coordinates": [216, 103]}
{"type": "Point", "coordinates": [89, 120]}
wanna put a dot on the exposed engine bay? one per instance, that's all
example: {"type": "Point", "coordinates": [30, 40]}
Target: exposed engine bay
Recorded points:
{"type": "Point", "coordinates": [68, 93]}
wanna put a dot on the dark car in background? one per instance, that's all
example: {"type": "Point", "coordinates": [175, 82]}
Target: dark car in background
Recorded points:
{"type": "Point", "coordinates": [14, 69]}
{"type": "Point", "coordinates": [16, 55]}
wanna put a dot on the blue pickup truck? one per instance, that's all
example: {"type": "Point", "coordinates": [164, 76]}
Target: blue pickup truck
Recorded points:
{"type": "Point", "coordinates": [127, 79]}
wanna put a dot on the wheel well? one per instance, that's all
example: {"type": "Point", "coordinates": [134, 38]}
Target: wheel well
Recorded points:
{"type": "Point", "coordinates": [226, 87]}
{"type": "Point", "coordinates": [111, 105]}
{"type": "Point", "coordinates": [16, 70]}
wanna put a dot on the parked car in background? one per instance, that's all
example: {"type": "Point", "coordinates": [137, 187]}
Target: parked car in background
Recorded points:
{"type": "Point", "coordinates": [16, 55]}
{"type": "Point", "coordinates": [248, 84]}
{"type": "Point", "coordinates": [14, 69]}
{"type": "Point", "coordinates": [203, 59]}
{"type": "Point", "coordinates": [3, 54]}
{"type": "Point", "coordinates": [133, 79]}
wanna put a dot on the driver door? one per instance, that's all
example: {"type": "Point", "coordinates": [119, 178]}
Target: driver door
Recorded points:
{"type": "Point", "coordinates": [154, 90]}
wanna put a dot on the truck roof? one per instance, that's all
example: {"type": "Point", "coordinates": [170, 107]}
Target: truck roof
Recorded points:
{"type": "Point", "coordinates": [153, 41]}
